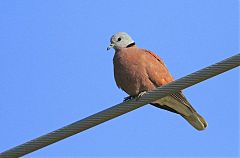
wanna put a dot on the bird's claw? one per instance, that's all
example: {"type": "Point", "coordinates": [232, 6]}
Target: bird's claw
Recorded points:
{"type": "Point", "coordinates": [133, 97]}
{"type": "Point", "coordinates": [140, 95]}
{"type": "Point", "coordinates": [128, 98]}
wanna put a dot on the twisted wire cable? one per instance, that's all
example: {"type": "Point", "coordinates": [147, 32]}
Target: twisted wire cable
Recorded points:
{"type": "Point", "coordinates": [122, 108]}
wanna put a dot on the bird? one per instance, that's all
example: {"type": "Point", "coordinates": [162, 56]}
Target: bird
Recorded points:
{"type": "Point", "coordinates": [138, 70]}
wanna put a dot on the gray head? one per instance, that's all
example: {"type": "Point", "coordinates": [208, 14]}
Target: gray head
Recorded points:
{"type": "Point", "coordinates": [120, 40]}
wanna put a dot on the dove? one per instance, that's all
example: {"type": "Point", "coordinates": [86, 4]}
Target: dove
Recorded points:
{"type": "Point", "coordinates": [138, 70]}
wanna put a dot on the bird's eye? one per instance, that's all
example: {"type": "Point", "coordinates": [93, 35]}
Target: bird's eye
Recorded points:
{"type": "Point", "coordinates": [119, 39]}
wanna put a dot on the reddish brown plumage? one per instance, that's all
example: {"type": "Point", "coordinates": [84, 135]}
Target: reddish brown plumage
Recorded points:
{"type": "Point", "coordinates": [137, 70]}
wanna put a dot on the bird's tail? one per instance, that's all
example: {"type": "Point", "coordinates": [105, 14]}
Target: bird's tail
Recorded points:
{"type": "Point", "coordinates": [196, 120]}
{"type": "Point", "coordinates": [177, 103]}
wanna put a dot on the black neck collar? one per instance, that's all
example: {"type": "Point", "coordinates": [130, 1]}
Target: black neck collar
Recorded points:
{"type": "Point", "coordinates": [130, 45]}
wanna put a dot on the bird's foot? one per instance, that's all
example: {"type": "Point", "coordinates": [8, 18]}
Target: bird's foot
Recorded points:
{"type": "Point", "coordinates": [140, 95]}
{"type": "Point", "coordinates": [128, 98]}
{"type": "Point", "coordinates": [133, 97]}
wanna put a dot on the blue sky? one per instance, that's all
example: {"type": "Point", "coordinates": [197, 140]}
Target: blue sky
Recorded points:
{"type": "Point", "coordinates": [55, 70]}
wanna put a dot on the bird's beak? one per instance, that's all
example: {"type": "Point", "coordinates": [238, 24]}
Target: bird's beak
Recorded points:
{"type": "Point", "coordinates": [110, 46]}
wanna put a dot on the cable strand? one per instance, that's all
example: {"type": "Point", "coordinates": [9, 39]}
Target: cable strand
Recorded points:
{"type": "Point", "coordinates": [122, 108]}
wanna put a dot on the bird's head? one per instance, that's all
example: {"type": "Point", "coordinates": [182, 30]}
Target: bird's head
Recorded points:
{"type": "Point", "coordinates": [120, 40]}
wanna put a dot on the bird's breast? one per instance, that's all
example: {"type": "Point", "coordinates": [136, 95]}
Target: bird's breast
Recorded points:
{"type": "Point", "coordinates": [130, 73]}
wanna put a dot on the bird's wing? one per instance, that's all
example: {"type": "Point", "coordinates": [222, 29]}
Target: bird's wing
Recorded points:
{"type": "Point", "coordinates": [156, 69]}
{"type": "Point", "coordinates": [177, 102]}
{"type": "Point", "coordinates": [159, 75]}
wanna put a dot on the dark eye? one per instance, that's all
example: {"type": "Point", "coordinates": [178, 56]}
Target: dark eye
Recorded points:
{"type": "Point", "coordinates": [119, 39]}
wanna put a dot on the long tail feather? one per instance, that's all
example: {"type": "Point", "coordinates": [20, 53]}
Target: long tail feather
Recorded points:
{"type": "Point", "coordinates": [196, 120]}
{"type": "Point", "coordinates": [178, 103]}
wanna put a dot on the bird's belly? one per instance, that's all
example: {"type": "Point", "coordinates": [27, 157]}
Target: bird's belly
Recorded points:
{"type": "Point", "coordinates": [132, 80]}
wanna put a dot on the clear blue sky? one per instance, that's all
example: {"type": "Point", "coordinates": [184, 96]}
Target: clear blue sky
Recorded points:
{"type": "Point", "coordinates": [55, 70]}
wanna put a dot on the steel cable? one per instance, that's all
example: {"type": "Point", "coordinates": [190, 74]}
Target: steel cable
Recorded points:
{"type": "Point", "coordinates": [122, 108]}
